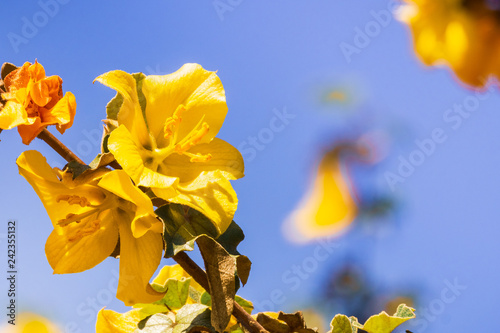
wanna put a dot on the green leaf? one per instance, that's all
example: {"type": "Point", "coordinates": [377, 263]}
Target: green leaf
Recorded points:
{"type": "Point", "coordinates": [116, 102]}
{"type": "Point", "coordinates": [114, 106]}
{"type": "Point", "coordinates": [183, 225]}
{"type": "Point", "coordinates": [158, 323]}
{"type": "Point", "coordinates": [340, 324]}
{"type": "Point", "coordinates": [176, 294]}
{"type": "Point", "coordinates": [354, 324]}
{"type": "Point", "coordinates": [101, 160]}
{"type": "Point", "coordinates": [221, 268]}
{"type": "Point", "coordinates": [206, 299]}
{"type": "Point", "coordinates": [246, 305]}
{"type": "Point", "coordinates": [146, 310]}
{"type": "Point", "coordinates": [383, 323]}
{"type": "Point", "coordinates": [75, 168]}
{"type": "Point", "coordinates": [190, 317]}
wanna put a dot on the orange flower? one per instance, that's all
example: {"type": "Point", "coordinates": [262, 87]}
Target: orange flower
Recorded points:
{"type": "Point", "coordinates": [34, 101]}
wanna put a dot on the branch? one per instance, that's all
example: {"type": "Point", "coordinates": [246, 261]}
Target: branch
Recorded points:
{"type": "Point", "coordinates": [59, 147]}
{"type": "Point", "coordinates": [200, 276]}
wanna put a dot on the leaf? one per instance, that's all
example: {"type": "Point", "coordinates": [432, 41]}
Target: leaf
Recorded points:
{"type": "Point", "coordinates": [146, 310]}
{"type": "Point", "coordinates": [76, 168]}
{"type": "Point", "coordinates": [354, 324]}
{"type": "Point", "coordinates": [7, 67]}
{"type": "Point", "coordinates": [206, 299]}
{"type": "Point", "coordinates": [340, 324]}
{"type": "Point", "coordinates": [102, 160]}
{"type": "Point", "coordinates": [176, 294]}
{"type": "Point", "coordinates": [272, 324]}
{"type": "Point", "coordinates": [383, 323]}
{"type": "Point", "coordinates": [230, 240]}
{"type": "Point", "coordinates": [296, 322]}
{"type": "Point", "coordinates": [158, 323]}
{"type": "Point", "coordinates": [221, 268]}
{"type": "Point", "coordinates": [183, 225]}
{"type": "Point", "coordinates": [187, 319]}
{"type": "Point", "coordinates": [115, 104]}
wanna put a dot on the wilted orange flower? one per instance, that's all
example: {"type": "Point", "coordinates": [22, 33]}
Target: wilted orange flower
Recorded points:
{"type": "Point", "coordinates": [34, 101]}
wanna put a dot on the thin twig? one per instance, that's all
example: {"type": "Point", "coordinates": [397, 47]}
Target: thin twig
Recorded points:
{"type": "Point", "coordinates": [59, 147]}
{"type": "Point", "coordinates": [200, 276]}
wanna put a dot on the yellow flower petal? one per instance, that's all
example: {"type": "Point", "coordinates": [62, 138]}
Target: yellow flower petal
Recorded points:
{"type": "Point", "coordinates": [199, 90]}
{"type": "Point", "coordinates": [64, 112]}
{"type": "Point", "coordinates": [224, 157]}
{"type": "Point", "coordinates": [119, 183]}
{"type": "Point", "coordinates": [211, 194]}
{"type": "Point", "coordinates": [12, 115]}
{"type": "Point", "coordinates": [327, 209]}
{"type": "Point", "coordinates": [81, 254]}
{"type": "Point", "coordinates": [130, 113]}
{"type": "Point", "coordinates": [139, 259]}
{"type": "Point", "coordinates": [109, 321]}
{"type": "Point", "coordinates": [175, 272]}
{"type": "Point", "coordinates": [129, 155]}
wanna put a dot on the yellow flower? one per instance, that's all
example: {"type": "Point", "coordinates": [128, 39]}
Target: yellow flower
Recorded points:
{"type": "Point", "coordinates": [463, 33]}
{"type": "Point", "coordinates": [90, 215]}
{"type": "Point", "coordinates": [34, 101]}
{"type": "Point", "coordinates": [27, 322]}
{"type": "Point", "coordinates": [328, 208]}
{"type": "Point", "coordinates": [109, 321]}
{"type": "Point", "coordinates": [170, 145]}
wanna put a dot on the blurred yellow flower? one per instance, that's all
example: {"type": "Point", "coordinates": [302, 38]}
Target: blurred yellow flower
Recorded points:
{"type": "Point", "coordinates": [328, 207]}
{"type": "Point", "coordinates": [34, 101]}
{"type": "Point", "coordinates": [170, 145]}
{"type": "Point", "coordinates": [90, 215]}
{"type": "Point", "coordinates": [463, 33]}
{"type": "Point", "coordinates": [28, 322]}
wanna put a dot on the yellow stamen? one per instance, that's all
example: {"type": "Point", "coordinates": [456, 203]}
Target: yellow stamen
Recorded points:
{"type": "Point", "coordinates": [89, 229]}
{"type": "Point", "coordinates": [199, 157]}
{"type": "Point", "coordinates": [192, 140]}
{"type": "Point", "coordinates": [172, 122]}
{"type": "Point", "coordinates": [74, 200]}
{"type": "Point", "coordinates": [70, 218]}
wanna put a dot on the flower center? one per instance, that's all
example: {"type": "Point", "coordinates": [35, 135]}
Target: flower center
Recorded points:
{"type": "Point", "coordinates": [86, 223]}
{"type": "Point", "coordinates": [181, 147]}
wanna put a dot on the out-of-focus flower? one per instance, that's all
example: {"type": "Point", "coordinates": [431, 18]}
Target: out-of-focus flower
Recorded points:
{"type": "Point", "coordinates": [463, 33]}
{"type": "Point", "coordinates": [34, 101]}
{"type": "Point", "coordinates": [27, 322]}
{"type": "Point", "coordinates": [329, 206]}
{"type": "Point", "coordinates": [90, 214]}
{"type": "Point", "coordinates": [170, 145]}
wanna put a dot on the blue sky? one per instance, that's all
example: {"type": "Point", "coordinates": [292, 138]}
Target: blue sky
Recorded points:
{"type": "Point", "coordinates": [275, 57]}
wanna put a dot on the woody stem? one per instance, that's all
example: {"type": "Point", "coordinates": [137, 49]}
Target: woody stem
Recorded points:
{"type": "Point", "coordinates": [200, 276]}
{"type": "Point", "coordinates": [58, 146]}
